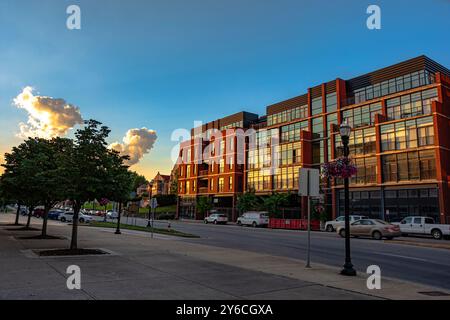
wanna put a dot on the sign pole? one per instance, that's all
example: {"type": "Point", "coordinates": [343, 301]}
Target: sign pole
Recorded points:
{"type": "Point", "coordinates": [308, 258]}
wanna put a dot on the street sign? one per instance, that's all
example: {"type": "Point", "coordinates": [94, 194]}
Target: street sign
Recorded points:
{"type": "Point", "coordinates": [309, 186]}
{"type": "Point", "coordinates": [309, 182]}
{"type": "Point", "coordinates": [153, 203]}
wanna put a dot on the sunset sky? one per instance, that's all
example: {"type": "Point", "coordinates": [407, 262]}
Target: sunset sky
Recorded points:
{"type": "Point", "coordinates": [147, 67]}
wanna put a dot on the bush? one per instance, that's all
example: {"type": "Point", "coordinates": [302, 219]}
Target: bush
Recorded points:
{"type": "Point", "coordinates": [166, 216]}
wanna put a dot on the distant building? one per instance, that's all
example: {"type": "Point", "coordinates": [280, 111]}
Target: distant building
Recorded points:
{"type": "Point", "coordinates": [160, 185]}
{"type": "Point", "coordinates": [142, 190]}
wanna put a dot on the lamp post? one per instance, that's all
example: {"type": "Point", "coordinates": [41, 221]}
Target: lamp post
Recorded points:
{"type": "Point", "coordinates": [149, 206]}
{"type": "Point", "coordinates": [345, 130]}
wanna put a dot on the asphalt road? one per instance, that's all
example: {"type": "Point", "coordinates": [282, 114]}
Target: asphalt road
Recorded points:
{"type": "Point", "coordinates": [429, 266]}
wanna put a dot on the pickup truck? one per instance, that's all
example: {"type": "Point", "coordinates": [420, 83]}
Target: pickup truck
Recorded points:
{"type": "Point", "coordinates": [424, 226]}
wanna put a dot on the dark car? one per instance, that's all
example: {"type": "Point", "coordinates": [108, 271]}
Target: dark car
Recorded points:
{"type": "Point", "coordinates": [38, 213]}
{"type": "Point", "coordinates": [54, 214]}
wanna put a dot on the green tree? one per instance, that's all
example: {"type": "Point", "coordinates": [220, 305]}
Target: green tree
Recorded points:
{"type": "Point", "coordinates": [248, 201]}
{"type": "Point", "coordinates": [138, 180]}
{"type": "Point", "coordinates": [275, 201]}
{"type": "Point", "coordinates": [174, 183]}
{"type": "Point", "coordinates": [20, 180]}
{"type": "Point", "coordinates": [204, 204]}
{"type": "Point", "coordinates": [86, 170]}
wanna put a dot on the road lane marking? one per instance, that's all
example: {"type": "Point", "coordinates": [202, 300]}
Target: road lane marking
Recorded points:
{"type": "Point", "coordinates": [401, 256]}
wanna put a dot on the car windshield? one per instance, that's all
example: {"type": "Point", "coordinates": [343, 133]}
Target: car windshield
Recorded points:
{"type": "Point", "coordinates": [381, 221]}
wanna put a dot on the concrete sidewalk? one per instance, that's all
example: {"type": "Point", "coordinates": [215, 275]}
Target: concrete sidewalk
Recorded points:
{"type": "Point", "coordinates": [162, 268]}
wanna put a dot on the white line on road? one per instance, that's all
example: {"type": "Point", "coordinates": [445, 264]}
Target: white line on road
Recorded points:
{"type": "Point", "coordinates": [400, 256]}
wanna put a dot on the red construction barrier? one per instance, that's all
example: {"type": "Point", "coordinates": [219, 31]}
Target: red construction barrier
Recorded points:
{"type": "Point", "coordinates": [293, 224]}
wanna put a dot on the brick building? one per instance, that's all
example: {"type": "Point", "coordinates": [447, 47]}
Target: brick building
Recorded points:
{"type": "Point", "coordinates": [400, 142]}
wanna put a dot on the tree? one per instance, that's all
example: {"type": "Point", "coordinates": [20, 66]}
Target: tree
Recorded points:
{"type": "Point", "coordinates": [86, 166]}
{"type": "Point", "coordinates": [20, 177]}
{"type": "Point", "coordinates": [138, 180]}
{"type": "Point", "coordinates": [275, 201]}
{"type": "Point", "coordinates": [204, 205]}
{"type": "Point", "coordinates": [248, 201]}
{"type": "Point", "coordinates": [174, 183]}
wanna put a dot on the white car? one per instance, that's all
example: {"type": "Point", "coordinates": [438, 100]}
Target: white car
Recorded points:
{"type": "Point", "coordinates": [333, 225]}
{"type": "Point", "coordinates": [254, 219]}
{"type": "Point", "coordinates": [68, 217]}
{"type": "Point", "coordinates": [112, 214]}
{"type": "Point", "coordinates": [424, 226]}
{"type": "Point", "coordinates": [216, 218]}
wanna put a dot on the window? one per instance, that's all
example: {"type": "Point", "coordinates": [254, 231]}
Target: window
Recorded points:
{"type": "Point", "coordinates": [230, 183]}
{"type": "Point", "coordinates": [221, 166]}
{"type": "Point", "coordinates": [317, 127]}
{"type": "Point", "coordinates": [288, 115]}
{"type": "Point", "coordinates": [411, 105]}
{"type": "Point", "coordinates": [331, 119]}
{"type": "Point", "coordinates": [331, 102]}
{"type": "Point", "coordinates": [362, 116]}
{"type": "Point", "coordinates": [413, 80]}
{"type": "Point", "coordinates": [221, 184]}
{"type": "Point", "coordinates": [409, 166]}
{"type": "Point", "coordinates": [188, 186]}
{"type": "Point", "coordinates": [211, 185]}
{"type": "Point", "coordinates": [316, 106]}
{"type": "Point", "coordinates": [407, 134]}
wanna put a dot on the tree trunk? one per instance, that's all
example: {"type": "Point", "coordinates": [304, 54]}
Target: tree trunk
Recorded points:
{"type": "Point", "coordinates": [17, 214]}
{"type": "Point", "coordinates": [30, 212]}
{"type": "Point", "coordinates": [74, 240]}
{"type": "Point", "coordinates": [44, 223]}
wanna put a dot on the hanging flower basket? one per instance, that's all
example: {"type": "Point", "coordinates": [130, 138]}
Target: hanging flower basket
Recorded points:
{"type": "Point", "coordinates": [340, 168]}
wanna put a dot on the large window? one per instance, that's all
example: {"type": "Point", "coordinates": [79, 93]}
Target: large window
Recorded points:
{"type": "Point", "coordinates": [361, 142]}
{"type": "Point", "coordinates": [406, 82]}
{"type": "Point", "coordinates": [317, 127]}
{"type": "Point", "coordinates": [331, 102]}
{"type": "Point", "coordinates": [367, 170]}
{"type": "Point", "coordinates": [316, 106]}
{"type": "Point", "coordinates": [288, 115]}
{"type": "Point", "coordinates": [411, 105]}
{"type": "Point", "coordinates": [407, 134]}
{"type": "Point", "coordinates": [291, 132]}
{"type": "Point", "coordinates": [362, 116]}
{"type": "Point", "coordinates": [409, 166]}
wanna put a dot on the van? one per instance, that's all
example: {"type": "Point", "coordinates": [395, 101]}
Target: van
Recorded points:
{"type": "Point", "coordinates": [254, 219]}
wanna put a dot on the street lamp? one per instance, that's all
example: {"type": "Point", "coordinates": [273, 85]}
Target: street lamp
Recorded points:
{"type": "Point", "coordinates": [149, 206]}
{"type": "Point", "coordinates": [345, 130]}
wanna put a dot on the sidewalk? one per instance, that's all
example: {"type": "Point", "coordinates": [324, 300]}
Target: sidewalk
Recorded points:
{"type": "Point", "coordinates": [161, 268]}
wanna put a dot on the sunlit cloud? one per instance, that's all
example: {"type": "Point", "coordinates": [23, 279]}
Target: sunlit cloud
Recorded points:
{"type": "Point", "coordinates": [136, 144]}
{"type": "Point", "coordinates": [47, 117]}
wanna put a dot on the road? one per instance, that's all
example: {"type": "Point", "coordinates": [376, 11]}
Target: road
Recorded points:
{"type": "Point", "coordinates": [428, 266]}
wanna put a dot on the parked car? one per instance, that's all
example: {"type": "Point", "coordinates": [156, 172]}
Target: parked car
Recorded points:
{"type": "Point", "coordinates": [23, 211]}
{"type": "Point", "coordinates": [54, 214]}
{"type": "Point", "coordinates": [423, 226]}
{"type": "Point", "coordinates": [254, 219]}
{"type": "Point", "coordinates": [374, 228]}
{"type": "Point", "coordinates": [331, 226]}
{"type": "Point", "coordinates": [112, 214]}
{"type": "Point", "coordinates": [38, 212]}
{"type": "Point", "coordinates": [68, 217]}
{"type": "Point", "coordinates": [216, 218]}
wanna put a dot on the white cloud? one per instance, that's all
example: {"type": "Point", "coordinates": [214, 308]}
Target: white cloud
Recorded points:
{"type": "Point", "coordinates": [47, 117]}
{"type": "Point", "coordinates": [136, 143]}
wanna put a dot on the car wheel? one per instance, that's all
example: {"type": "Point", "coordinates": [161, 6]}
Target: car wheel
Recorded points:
{"type": "Point", "coordinates": [206, 221]}
{"type": "Point", "coordinates": [254, 225]}
{"type": "Point", "coordinates": [342, 233]}
{"type": "Point", "coordinates": [377, 235]}
{"type": "Point", "coordinates": [330, 228]}
{"type": "Point", "coordinates": [437, 234]}
{"type": "Point", "coordinates": [215, 221]}
{"type": "Point", "coordinates": [81, 220]}
{"type": "Point", "coordinates": [63, 219]}
{"type": "Point", "coordinates": [239, 223]}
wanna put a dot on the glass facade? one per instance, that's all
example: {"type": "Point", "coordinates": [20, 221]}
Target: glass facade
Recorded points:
{"type": "Point", "coordinates": [411, 105]}
{"type": "Point", "coordinates": [406, 82]}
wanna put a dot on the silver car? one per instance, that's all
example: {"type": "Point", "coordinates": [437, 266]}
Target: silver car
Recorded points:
{"type": "Point", "coordinates": [216, 218]}
{"type": "Point", "coordinates": [333, 225]}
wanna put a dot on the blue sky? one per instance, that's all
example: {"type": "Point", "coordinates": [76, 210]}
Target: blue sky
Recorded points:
{"type": "Point", "coordinates": [162, 64]}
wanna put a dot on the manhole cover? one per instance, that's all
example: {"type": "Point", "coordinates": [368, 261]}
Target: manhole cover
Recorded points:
{"type": "Point", "coordinates": [435, 294]}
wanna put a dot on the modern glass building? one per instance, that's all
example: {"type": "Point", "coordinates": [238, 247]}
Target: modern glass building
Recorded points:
{"type": "Point", "coordinates": [400, 142]}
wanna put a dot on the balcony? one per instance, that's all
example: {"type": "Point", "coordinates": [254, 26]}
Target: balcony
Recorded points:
{"type": "Point", "coordinates": [203, 190]}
